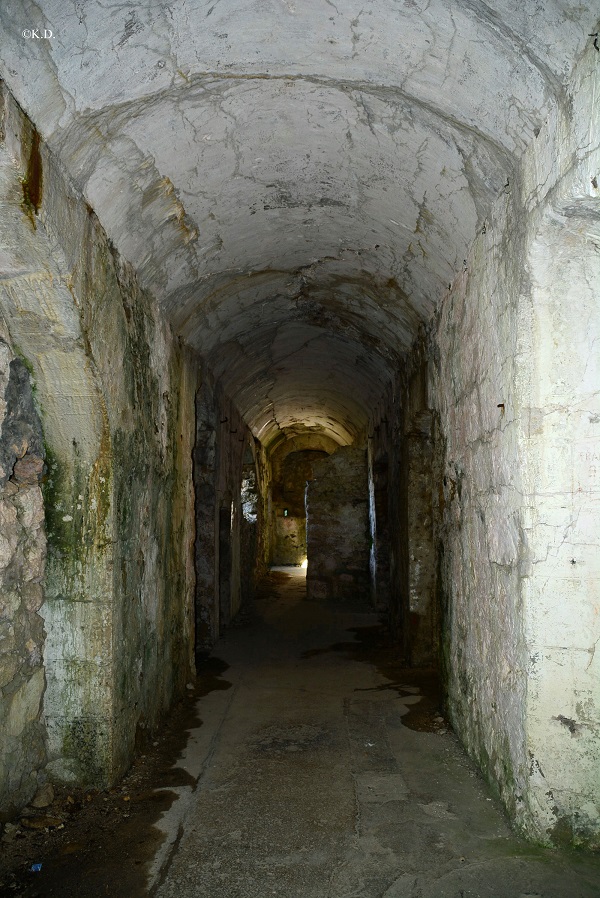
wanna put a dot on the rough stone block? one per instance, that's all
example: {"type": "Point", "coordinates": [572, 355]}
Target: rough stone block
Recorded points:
{"type": "Point", "coordinates": [25, 704]}
{"type": "Point", "coordinates": [338, 526]}
{"type": "Point", "coordinates": [28, 470]}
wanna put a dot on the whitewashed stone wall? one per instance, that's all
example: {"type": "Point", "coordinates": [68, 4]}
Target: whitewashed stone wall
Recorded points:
{"type": "Point", "coordinates": [474, 383]}
{"type": "Point", "coordinates": [561, 436]}
{"type": "Point", "coordinates": [515, 383]}
{"type": "Point", "coordinates": [561, 589]}
{"type": "Point", "coordinates": [562, 515]}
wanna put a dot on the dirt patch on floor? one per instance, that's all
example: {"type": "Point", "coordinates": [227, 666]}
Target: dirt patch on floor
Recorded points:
{"type": "Point", "coordinates": [93, 843]}
{"type": "Point", "coordinates": [268, 585]}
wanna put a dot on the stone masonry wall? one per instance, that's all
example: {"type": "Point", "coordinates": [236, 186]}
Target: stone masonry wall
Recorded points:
{"type": "Point", "coordinates": [404, 510]}
{"type": "Point", "coordinates": [231, 447]}
{"type": "Point", "coordinates": [337, 506]}
{"type": "Point", "coordinates": [475, 376]}
{"type": "Point", "coordinates": [44, 326]}
{"type": "Point", "coordinates": [150, 410]}
{"type": "Point", "coordinates": [22, 561]}
{"type": "Point", "coordinates": [424, 622]}
{"type": "Point", "coordinates": [290, 475]}
{"type": "Point", "coordinates": [227, 549]}
{"type": "Point", "coordinates": [115, 391]}
{"type": "Point", "coordinates": [388, 515]}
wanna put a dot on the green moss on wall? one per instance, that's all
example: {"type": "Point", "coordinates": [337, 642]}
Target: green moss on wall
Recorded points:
{"type": "Point", "coordinates": [77, 504]}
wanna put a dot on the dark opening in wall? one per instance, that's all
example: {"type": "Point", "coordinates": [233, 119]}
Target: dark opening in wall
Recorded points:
{"type": "Point", "coordinates": [249, 525]}
{"type": "Point", "coordinates": [249, 493]}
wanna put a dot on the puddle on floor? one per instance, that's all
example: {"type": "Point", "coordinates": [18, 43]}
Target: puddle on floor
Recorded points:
{"type": "Point", "coordinates": [372, 645]}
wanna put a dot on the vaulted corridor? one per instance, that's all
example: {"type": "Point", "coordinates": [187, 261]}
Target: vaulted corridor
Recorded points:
{"type": "Point", "coordinates": [326, 771]}
{"type": "Point", "coordinates": [316, 765]}
{"type": "Point", "coordinates": [302, 284]}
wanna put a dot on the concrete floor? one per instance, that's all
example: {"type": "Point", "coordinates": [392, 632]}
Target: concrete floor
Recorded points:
{"type": "Point", "coordinates": [309, 784]}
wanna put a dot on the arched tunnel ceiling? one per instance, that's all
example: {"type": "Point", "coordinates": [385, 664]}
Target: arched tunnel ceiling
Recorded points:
{"type": "Point", "coordinates": [296, 182]}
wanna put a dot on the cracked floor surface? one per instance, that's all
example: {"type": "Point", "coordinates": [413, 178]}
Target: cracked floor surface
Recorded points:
{"type": "Point", "coordinates": [327, 770]}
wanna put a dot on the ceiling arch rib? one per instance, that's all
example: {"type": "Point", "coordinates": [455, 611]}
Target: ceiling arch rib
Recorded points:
{"type": "Point", "coordinates": [265, 178]}
{"type": "Point", "coordinates": [456, 55]}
